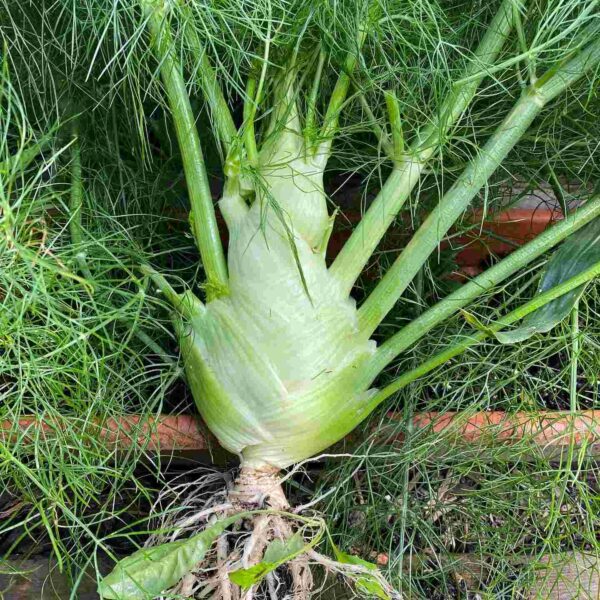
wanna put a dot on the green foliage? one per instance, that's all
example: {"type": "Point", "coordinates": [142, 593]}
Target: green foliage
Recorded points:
{"type": "Point", "coordinates": [429, 502]}
{"type": "Point", "coordinates": [74, 352]}
{"type": "Point", "coordinates": [303, 82]}
{"type": "Point", "coordinates": [579, 251]}
{"type": "Point", "coordinates": [366, 583]}
{"type": "Point", "coordinates": [150, 571]}
{"type": "Point", "coordinates": [277, 553]}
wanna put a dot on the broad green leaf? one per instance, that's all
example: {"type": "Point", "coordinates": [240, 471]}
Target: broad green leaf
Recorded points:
{"type": "Point", "coordinates": [150, 571]}
{"type": "Point", "coordinates": [277, 553]}
{"type": "Point", "coordinates": [364, 582]}
{"type": "Point", "coordinates": [579, 252]}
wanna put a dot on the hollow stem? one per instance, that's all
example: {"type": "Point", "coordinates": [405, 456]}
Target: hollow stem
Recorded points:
{"type": "Point", "coordinates": [457, 349]}
{"type": "Point", "coordinates": [466, 187]}
{"type": "Point", "coordinates": [202, 216]}
{"type": "Point", "coordinates": [368, 233]}
{"type": "Point", "coordinates": [437, 224]}
{"type": "Point", "coordinates": [249, 112]}
{"type": "Point", "coordinates": [311, 109]}
{"type": "Point", "coordinates": [379, 132]}
{"type": "Point", "coordinates": [338, 96]}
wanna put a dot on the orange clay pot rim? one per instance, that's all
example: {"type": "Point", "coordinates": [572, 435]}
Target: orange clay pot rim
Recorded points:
{"type": "Point", "coordinates": [167, 433]}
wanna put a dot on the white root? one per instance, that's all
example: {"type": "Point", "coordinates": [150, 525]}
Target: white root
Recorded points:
{"type": "Point", "coordinates": [224, 583]}
{"type": "Point", "coordinates": [187, 585]}
{"type": "Point", "coordinates": [202, 515]}
{"type": "Point", "coordinates": [301, 577]}
{"type": "Point", "coordinates": [255, 545]}
{"type": "Point", "coordinates": [253, 489]}
{"type": "Point", "coordinates": [272, 586]}
{"type": "Point", "coordinates": [256, 488]}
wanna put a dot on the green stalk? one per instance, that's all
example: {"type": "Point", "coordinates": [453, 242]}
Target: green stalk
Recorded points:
{"type": "Point", "coordinates": [338, 96]}
{"type": "Point", "coordinates": [523, 43]}
{"type": "Point", "coordinates": [249, 113]}
{"type": "Point", "coordinates": [574, 356]}
{"type": "Point", "coordinates": [220, 112]}
{"type": "Point", "coordinates": [311, 109]}
{"type": "Point", "coordinates": [473, 178]}
{"type": "Point", "coordinates": [202, 215]}
{"type": "Point", "coordinates": [509, 319]}
{"type": "Point", "coordinates": [185, 304]}
{"type": "Point", "coordinates": [252, 100]}
{"type": "Point", "coordinates": [380, 134]}
{"type": "Point", "coordinates": [366, 236]}
{"type": "Point", "coordinates": [470, 291]}
{"type": "Point", "coordinates": [393, 108]}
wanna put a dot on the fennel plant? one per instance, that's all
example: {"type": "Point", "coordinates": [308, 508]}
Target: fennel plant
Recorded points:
{"type": "Point", "coordinates": [281, 361]}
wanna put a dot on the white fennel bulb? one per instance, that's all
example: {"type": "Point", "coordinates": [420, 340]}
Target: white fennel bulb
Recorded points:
{"type": "Point", "coordinates": [275, 365]}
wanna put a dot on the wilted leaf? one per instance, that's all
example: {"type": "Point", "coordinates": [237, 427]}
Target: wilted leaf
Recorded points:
{"type": "Point", "coordinates": [150, 571]}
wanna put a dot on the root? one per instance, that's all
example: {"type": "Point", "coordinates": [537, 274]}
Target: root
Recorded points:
{"type": "Point", "coordinates": [244, 544]}
{"type": "Point", "coordinates": [302, 580]}
{"type": "Point", "coordinates": [257, 542]}
{"type": "Point", "coordinates": [258, 488]}
{"type": "Point", "coordinates": [224, 583]}
{"type": "Point", "coordinates": [255, 546]}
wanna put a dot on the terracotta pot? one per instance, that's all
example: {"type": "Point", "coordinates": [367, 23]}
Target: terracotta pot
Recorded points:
{"type": "Point", "coordinates": [496, 235]}
{"type": "Point", "coordinates": [552, 429]}
{"type": "Point", "coordinates": [557, 429]}
{"type": "Point", "coordinates": [500, 234]}
{"type": "Point", "coordinates": [167, 432]}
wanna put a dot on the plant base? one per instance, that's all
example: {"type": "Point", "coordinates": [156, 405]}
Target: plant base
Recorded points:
{"type": "Point", "coordinates": [243, 545]}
